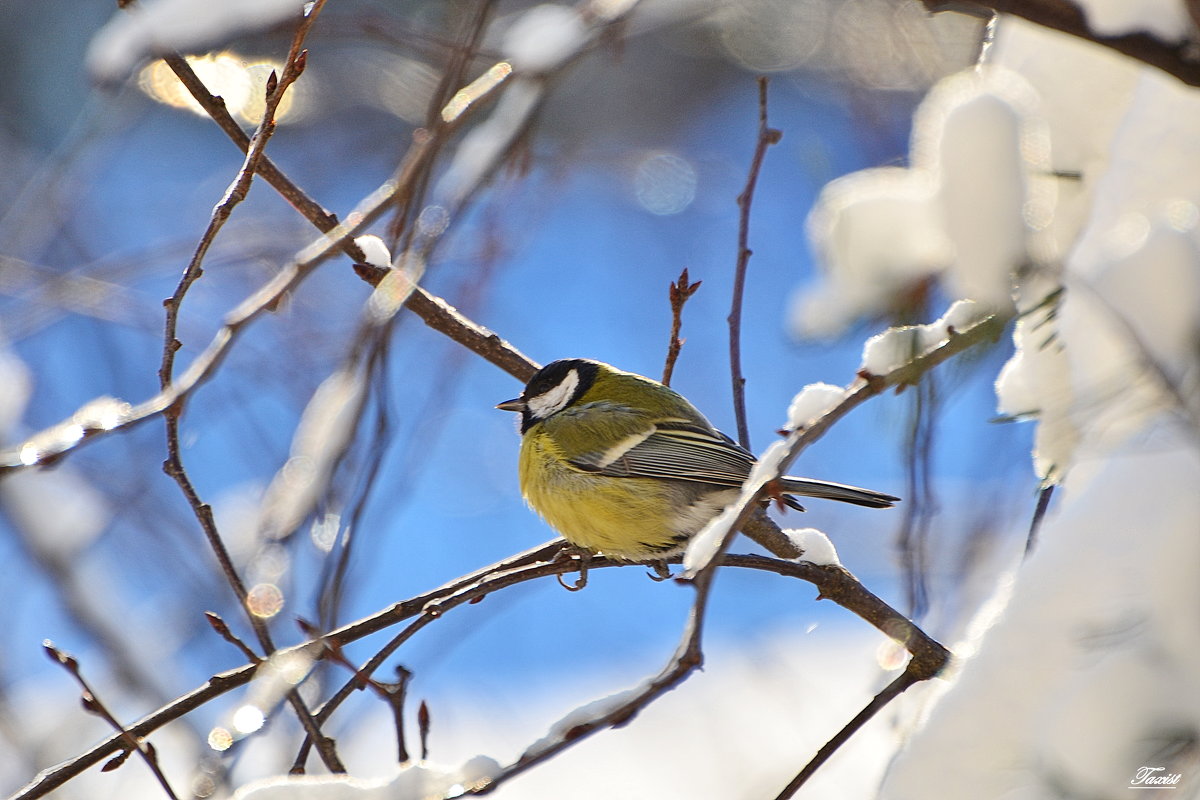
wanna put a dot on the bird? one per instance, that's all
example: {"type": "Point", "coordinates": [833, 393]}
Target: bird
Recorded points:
{"type": "Point", "coordinates": [626, 467]}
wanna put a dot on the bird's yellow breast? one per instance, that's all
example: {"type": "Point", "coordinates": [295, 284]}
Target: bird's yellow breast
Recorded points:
{"type": "Point", "coordinates": [627, 518]}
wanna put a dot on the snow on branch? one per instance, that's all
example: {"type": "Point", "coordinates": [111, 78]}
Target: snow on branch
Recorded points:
{"type": "Point", "coordinates": [775, 460]}
{"type": "Point", "coordinates": [1173, 55]}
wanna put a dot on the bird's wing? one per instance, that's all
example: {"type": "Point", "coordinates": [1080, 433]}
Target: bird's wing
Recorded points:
{"type": "Point", "coordinates": [675, 449]}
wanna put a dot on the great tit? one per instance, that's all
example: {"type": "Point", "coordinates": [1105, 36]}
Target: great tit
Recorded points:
{"type": "Point", "coordinates": [622, 465]}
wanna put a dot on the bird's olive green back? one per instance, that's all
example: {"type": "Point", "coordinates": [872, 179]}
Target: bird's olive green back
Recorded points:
{"type": "Point", "coordinates": [627, 388]}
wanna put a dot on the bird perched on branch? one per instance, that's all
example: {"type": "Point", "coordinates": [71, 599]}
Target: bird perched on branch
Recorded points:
{"type": "Point", "coordinates": [622, 465]}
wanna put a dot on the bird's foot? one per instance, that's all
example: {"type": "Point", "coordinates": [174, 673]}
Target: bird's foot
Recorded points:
{"type": "Point", "coordinates": [571, 553]}
{"type": "Point", "coordinates": [662, 572]}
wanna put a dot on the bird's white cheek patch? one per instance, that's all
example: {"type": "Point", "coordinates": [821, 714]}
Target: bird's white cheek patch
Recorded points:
{"type": "Point", "coordinates": [554, 400]}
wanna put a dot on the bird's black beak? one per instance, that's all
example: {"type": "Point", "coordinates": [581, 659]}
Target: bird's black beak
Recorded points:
{"type": "Point", "coordinates": [516, 404]}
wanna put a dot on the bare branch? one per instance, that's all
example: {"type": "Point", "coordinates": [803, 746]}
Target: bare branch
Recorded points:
{"type": "Point", "coordinates": [767, 136]}
{"type": "Point", "coordinates": [862, 389]}
{"type": "Point", "coordinates": [446, 319]}
{"type": "Point", "coordinates": [912, 536]}
{"type": "Point", "coordinates": [678, 293]}
{"type": "Point", "coordinates": [1039, 514]}
{"type": "Point", "coordinates": [877, 704]}
{"type": "Point", "coordinates": [215, 108]}
{"type": "Point", "coordinates": [618, 711]}
{"type": "Point", "coordinates": [93, 705]}
{"type": "Point", "coordinates": [222, 628]}
{"type": "Point", "coordinates": [832, 582]}
{"type": "Point", "coordinates": [276, 88]}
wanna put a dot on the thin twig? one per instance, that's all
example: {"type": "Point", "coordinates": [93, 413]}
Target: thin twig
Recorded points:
{"type": "Point", "coordinates": [423, 726]}
{"type": "Point", "coordinates": [92, 704]}
{"type": "Point", "coordinates": [1039, 514]}
{"type": "Point", "coordinates": [335, 568]}
{"type": "Point", "coordinates": [391, 693]}
{"type": "Point", "coordinates": [678, 293]}
{"type": "Point", "coordinates": [464, 51]}
{"type": "Point", "coordinates": [222, 628]}
{"type": "Point", "coordinates": [276, 88]}
{"type": "Point", "coordinates": [235, 194]}
{"type": "Point", "coordinates": [887, 695]}
{"type": "Point", "coordinates": [912, 538]}
{"type": "Point", "coordinates": [471, 588]}
{"type": "Point", "coordinates": [215, 107]}
{"type": "Point", "coordinates": [688, 656]}
{"type": "Point", "coordinates": [767, 136]}
{"type": "Point", "coordinates": [395, 693]}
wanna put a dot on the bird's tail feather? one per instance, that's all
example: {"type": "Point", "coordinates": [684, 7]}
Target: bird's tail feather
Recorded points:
{"type": "Point", "coordinates": [826, 490]}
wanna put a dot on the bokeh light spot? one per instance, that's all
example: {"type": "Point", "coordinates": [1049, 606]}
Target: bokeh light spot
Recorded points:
{"type": "Point", "coordinates": [773, 35]}
{"type": "Point", "coordinates": [237, 81]}
{"type": "Point", "coordinates": [271, 562]}
{"type": "Point", "coordinates": [30, 455]}
{"type": "Point", "coordinates": [324, 531]}
{"type": "Point", "coordinates": [220, 739]}
{"type": "Point", "coordinates": [433, 220]}
{"type": "Point", "coordinates": [891, 656]}
{"type": "Point", "coordinates": [264, 600]}
{"type": "Point", "coordinates": [664, 183]}
{"type": "Point", "coordinates": [1182, 215]}
{"type": "Point", "coordinates": [247, 719]}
